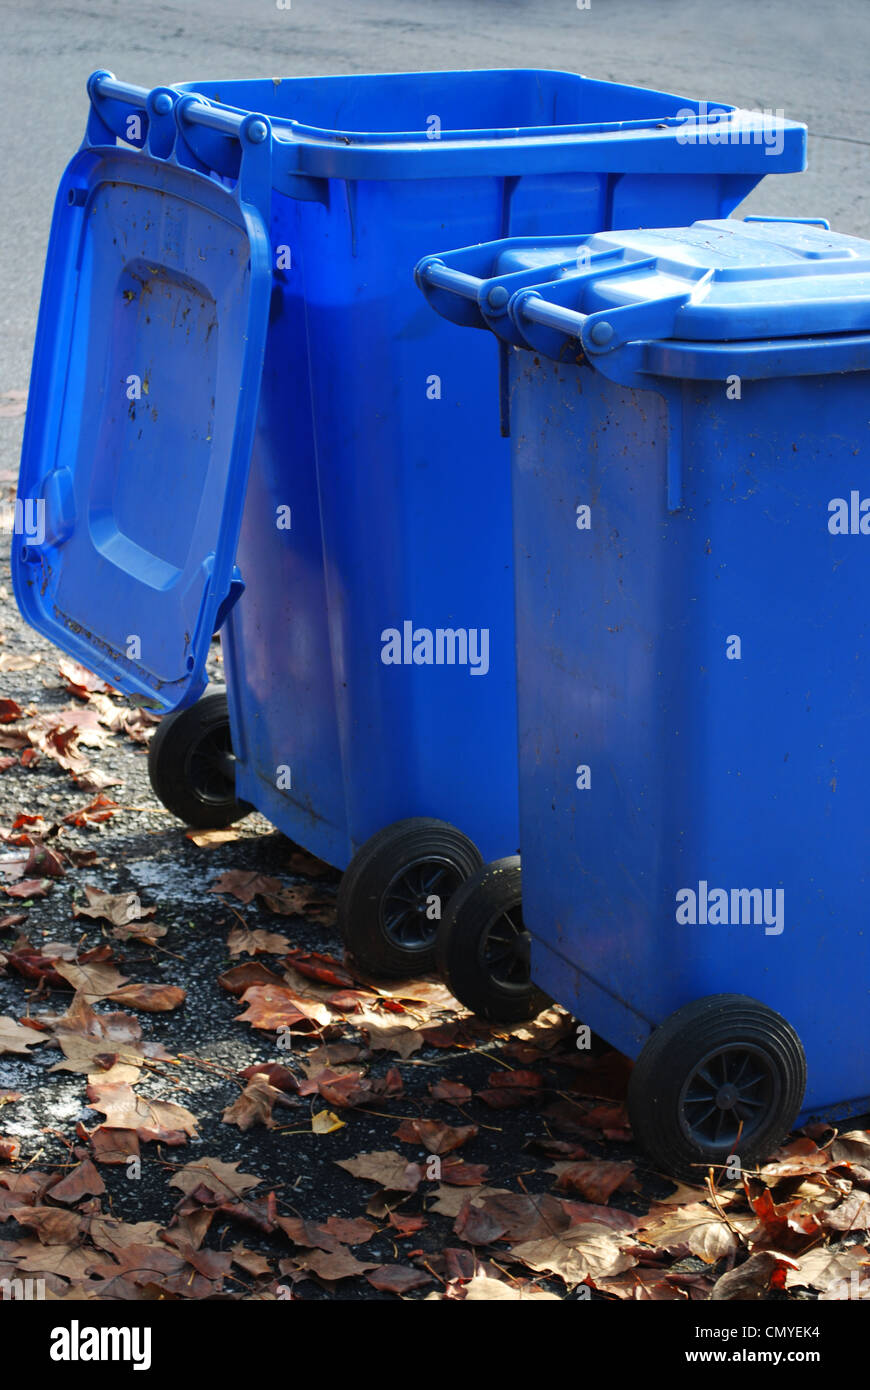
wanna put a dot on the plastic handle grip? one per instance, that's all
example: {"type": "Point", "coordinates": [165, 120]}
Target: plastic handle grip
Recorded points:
{"type": "Point", "coordinates": [192, 108]}
{"type": "Point", "coordinates": [531, 306]}
{"type": "Point", "coordinates": [442, 277]}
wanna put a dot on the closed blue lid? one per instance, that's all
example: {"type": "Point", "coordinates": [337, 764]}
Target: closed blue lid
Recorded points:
{"type": "Point", "coordinates": [715, 282]}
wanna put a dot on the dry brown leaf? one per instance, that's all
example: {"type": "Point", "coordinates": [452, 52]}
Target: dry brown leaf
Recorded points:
{"type": "Point", "coordinates": [650, 1286]}
{"type": "Point", "coordinates": [389, 1170]}
{"type": "Point", "coordinates": [694, 1230]}
{"type": "Point", "coordinates": [68, 1261]}
{"type": "Point", "coordinates": [94, 980]}
{"type": "Point", "coordinates": [251, 1262]}
{"type": "Point", "coordinates": [18, 1037]}
{"type": "Point", "coordinates": [222, 1179]}
{"type": "Point", "coordinates": [151, 999]}
{"type": "Point", "coordinates": [148, 933]}
{"type": "Point", "coordinates": [583, 1251]}
{"type": "Point", "coordinates": [434, 1136]}
{"type": "Point", "coordinates": [271, 1007]}
{"type": "Point", "coordinates": [752, 1279]}
{"type": "Point", "coordinates": [328, 1265]}
{"type": "Point", "coordinates": [397, 1279]}
{"type": "Point", "coordinates": [114, 1146]}
{"type": "Point", "coordinates": [81, 1181]}
{"type": "Point", "coordinates": [254, 1105]}
{"type": "Point", "coordinates": [210, 839]}
{"type": "Point", "coordinates": [118, 909]}
{"type": "Point", "coordinates": [52, 1225]}
{"type": "Point", "coordinates": [110, 1234]}
{"type": "Point", "coordinates": [151, 1119]}
{"type": "Point", "coordinates": [852, 1214]}
{"type": "Point", "coordinates": [595, 1179]}
{"type": "Point", "coordinates": [390, 1037]}
{"type": "Point", "coordinates": [835, 1274]}
{"type": "Point", "coordinates": [245, 884]}
{"type": "Point", "coordinates": [242, 941]}
{"type": "Point", "coordinates": [481, 1287]}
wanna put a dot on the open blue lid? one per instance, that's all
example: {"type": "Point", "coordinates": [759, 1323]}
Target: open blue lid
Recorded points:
{"type": "Point", "coordinates": [716, 283]}
{"type": "Point", "coordinates": [140, 419]}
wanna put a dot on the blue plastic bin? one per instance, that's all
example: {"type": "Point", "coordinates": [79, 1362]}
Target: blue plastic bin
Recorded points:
{"type": "Point", "coordinates": [689, 415]}
{"type": "Point", "coordinates": [307, 431]}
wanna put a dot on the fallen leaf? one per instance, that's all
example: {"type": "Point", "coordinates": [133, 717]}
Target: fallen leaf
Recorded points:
{"type": "Point", "coordinates": [452, 1091]}
{"type": "Point", "coordinates": [319, 967]}
{"type": "Point", "coordinates": [222, 1179]}
{"type": "Point", "coordinates": [584, 1251]}
{"type": "Point", "coordinates": [434, 1136]}
{"type": "Point", "coordinates": [241, 941]}
{"type": "Point", "coordinates": [53, 1225]}
{"type": "Point", "coordinates": [241, 977]}
{"type": "Point", "coordinates": [210, 839]}
{"type": "Point", "coordinates": [396, 1038]}
{"type": "Point", "coordinates": [147, 933]}
{"type": "Point", "coordinates": [153, 999]}
{"type": "Point", "coordinates": [254, 1105]}
{"type": "Point", "coordinates": [151, 1119]}
{"type": "Point", "coordinates": [28, 888]}
{"type": "Point", "coordinates": [753, 1278]}
{"type": "Point", "coordinates": [595, 1179]}
{"type": "Point", "coordinates": [70, 1262]}
{"type": "Point", "coordinates": [340, 1265]}
{"type": "Point", "coordinates": [271, 1007]}
{"type": "Point", "coordinates": [397, 1279]}
{"type": "Point", "coordinates": [18, 1037]}
{"type": "Point", "coordinates": [115, 908]}
{"type": "Point", "coordinates": [81, 1181]}
{"type": "Point", "coordinates": [94, 980]}
{"type": "Point", "coordinates": [245, 884]}
{"type": "Point", "coordinates": [389, 1170]}
{"type": "Point", "coordinates": [852, 1214]}
{"type": "Point", "coordinates": [114, 1146]}
{"type": "Point", "coordinates": [694, 1230]}
{"type": "Point", "coordinates": [326, 1122]}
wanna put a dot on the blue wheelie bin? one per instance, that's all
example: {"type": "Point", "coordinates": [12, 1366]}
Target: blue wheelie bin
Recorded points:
{"type": "Point", "coordinates": [244, 417]}
{"type": "Point", "coordinates": [689, 417]}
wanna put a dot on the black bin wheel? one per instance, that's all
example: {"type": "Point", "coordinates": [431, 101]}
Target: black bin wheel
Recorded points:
{"type": "Point", "coordinates": [483, 946]}
{"type": "Point", "coordinates": [191, 765]}
{"type": "Point", "coordinates": [723, 1076]}
{"type": "Point", "coordinates": [393, 893]}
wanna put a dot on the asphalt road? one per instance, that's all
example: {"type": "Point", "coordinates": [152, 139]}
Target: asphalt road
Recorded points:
{"type": "Point", "coordinates": [810, 61]}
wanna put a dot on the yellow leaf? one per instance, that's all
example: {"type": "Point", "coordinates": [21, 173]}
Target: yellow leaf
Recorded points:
{"type": "Point", "coordinates": [325, 1122]}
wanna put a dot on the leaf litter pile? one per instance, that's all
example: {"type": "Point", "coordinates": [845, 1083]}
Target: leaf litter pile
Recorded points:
{"type": "Point", "coordinates": [199, 1099]}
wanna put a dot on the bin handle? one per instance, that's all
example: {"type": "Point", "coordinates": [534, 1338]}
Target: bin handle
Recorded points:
{"type": "Point", "coordinates": [191, 108]}
{"type": "Point", "coordinates": [597, 333]}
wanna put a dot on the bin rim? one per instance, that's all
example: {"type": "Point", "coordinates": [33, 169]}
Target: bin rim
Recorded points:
{"type": "Point", "coordinates": [702, 137]}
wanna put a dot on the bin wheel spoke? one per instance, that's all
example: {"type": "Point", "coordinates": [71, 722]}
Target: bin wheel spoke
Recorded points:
{"type": "Point", "coordinates": [406, 907]}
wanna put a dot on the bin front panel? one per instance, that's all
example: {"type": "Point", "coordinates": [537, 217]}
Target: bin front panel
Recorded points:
{"type": "Point", "coordinates": [709, 666]}
{"type": "Point", "coordinates": [414, 507]}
